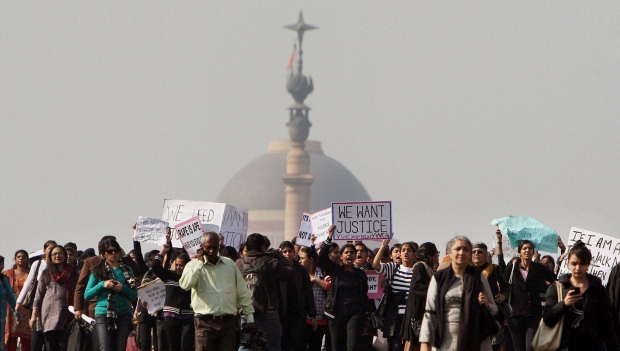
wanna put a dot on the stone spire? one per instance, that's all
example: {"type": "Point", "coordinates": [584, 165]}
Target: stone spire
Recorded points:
{"type": "Point", "coordinates": [298, 178]}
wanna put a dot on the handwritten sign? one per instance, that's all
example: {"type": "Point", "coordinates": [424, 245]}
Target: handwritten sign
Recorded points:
{"type": "Point", "coordinates": [321, 221]}
{"type": "Point", "coordinates": [305, 231]}
{"type": "Point", "coordinates": [375, 291]}
{"type": "Point", "coordinates": [526, 228]}
{"type": "Point", "coordinates": [605, 250]}
{"type": "Point", "coordinates": [222, 218]}
{"type": "Point", "coordinates": [508, 252]}
{"type": "Point", "coordinates": [150, 230]}
{"type": "Point", "coordinates": [362, 220]}
{"type": "Point", "coordinates": [190, 232]}
{"type": "Point", "coordinates": [154, 294]}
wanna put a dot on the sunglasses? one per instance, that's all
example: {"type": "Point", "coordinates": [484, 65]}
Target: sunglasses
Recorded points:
{"type": "Point", "coordinates": [111, 251]}
{"type": "Point", "coordinates": [478, 251]}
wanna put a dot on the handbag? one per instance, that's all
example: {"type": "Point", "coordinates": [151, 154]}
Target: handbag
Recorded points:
{"type": "Point", "coordinates": [549, 338]}
{"type": "Point", "coordinates": [32, 291]}
{"type": "Point", "coordinates": [505, 309]}
{"type": "Point", "coordinates": [489, 323]}
{"type": "Point", "coordinates": [416, 325]}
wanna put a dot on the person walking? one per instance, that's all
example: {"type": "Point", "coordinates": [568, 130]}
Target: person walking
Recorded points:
{"type": "Point", "coordinates": [6, 299]}
{"type": "Point", "coordinates": [18, 328]}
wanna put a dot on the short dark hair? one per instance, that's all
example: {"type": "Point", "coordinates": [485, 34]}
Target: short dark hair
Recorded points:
{"type": "Point", "coordinates": [523, 243]}
{"type": "Point", "coordinates": [411, 244]}
{"type": "Point", "coordinates": [72, 245]}
{"type": "Point", "coordinates": [395, 246]}
{"type": "Point", "coordinates": [287, 244]}
{"type": "Point", "coordinates": [351, 246]}
{"type": "Point", "coordinates": [229, 252]}
{"type": "Point", "coordinates": [255, 241]}
{"type": "Point", "coordinates": [581, 251]}
{"type": "Point", "coordinates": [364, 246]}
{"type": "Point", "coordinates": [334, 247]}
{"type": "Point", "coordinates": [49, 243]}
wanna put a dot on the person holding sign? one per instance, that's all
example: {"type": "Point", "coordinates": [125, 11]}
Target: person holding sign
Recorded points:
{"type": "Point", "coordinates": [585, 306]}
{"type": "Point", "coordinates": [455, 307]}
{"type": "Point", "coordinates": [347, 298]}
{"type": "Point", "coordinates": [113, 284]}
{"type": "Point", "coordinates": [399, 278]}
{"type": "Point", "coordinates": [218, 291]}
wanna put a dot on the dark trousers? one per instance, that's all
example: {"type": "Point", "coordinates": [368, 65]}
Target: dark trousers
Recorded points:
{"type": "Point", "coordinates": [37, 343]}
{"type": "Point", "coordinates": [314, 338]}
{"type": "Point", "coordinates": [55, 340]}
{"type": "Point", "coordinates": [160, 337]}
{"type": "Point", "coordinates": [215, 333]}
{"type": "Point", "coordinates": [113, 340]}
{"type": "Point", "coordinates": [269, 323]}
{"type": "Point", "coordinates": [345, 331]}
{"type": "Point", "coordinates": [522, 331]}
{"type": "Point", "coordinates": [179, 333]}
{"type": "Point", "coordinates": [293, 333]}
{"type": "Point", "coordinates": [143, 334]}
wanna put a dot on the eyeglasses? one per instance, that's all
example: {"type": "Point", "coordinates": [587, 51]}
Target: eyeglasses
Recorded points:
{"type": "Point", "coordinates": [111, 251]}
{"type": "Point", "coordinates": [57, 254]}
{"type": "Point", "coordinates": [478, 251]}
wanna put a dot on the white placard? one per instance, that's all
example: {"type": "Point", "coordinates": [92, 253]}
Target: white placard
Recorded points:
{"type": "Point", "coordinates": [369, 220]}
{"type": "Point", "coordinates": [228, 220]}
{"type": "Point", "coordinates": [305, 231]}
{"type": "Point", "coordinates": [150, 230]}
{"type": "Point", "coordinates": [154, 294]}
{"type": "Point", "coordinates": [321, 221]}
{"type": "Point", "coordinates": [190, 232]}
{"type": "Point", "coordinates": [605, 250]}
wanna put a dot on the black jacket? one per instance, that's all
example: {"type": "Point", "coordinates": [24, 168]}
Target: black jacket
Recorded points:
{"type": "Point", "coordinates": [613, 290]}
{"type": "Point", "coordinates": [596, 314]}
{"type": "Point", "coordinates": [524, 296]}
{"type": "Point", "coordinates": [334, 270]}
{"type": "Point", "coordinates": [303, 288]}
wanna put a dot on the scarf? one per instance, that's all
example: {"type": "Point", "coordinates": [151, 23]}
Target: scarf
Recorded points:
{"type": "Point", "coordinates": [469, 335]}
{"type": "Point", "coordinates": [65, 278]}
{"type": "Point", "coordinates": [111, 309]}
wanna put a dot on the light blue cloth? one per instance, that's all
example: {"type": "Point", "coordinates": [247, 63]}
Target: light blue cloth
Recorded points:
{"type": "Point", "coordinates": [526, 228]}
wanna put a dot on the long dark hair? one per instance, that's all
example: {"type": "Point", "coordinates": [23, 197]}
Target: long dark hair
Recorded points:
{"type": "Point", "coordinates": [27, 258]}
{"type": "Point", "coordinates": [426, 253]}
{"type": "Point", "coordinates": [52, 267]}
{"type": "Point", "coordinates": [100, 271]}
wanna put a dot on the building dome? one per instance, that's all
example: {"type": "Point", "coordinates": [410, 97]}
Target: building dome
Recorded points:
{"type": "Point", "coordinates": [258, 186]}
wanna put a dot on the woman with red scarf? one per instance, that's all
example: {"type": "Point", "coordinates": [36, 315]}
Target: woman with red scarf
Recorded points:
{"type": "Point", "coordinates": [17, 277]}
{"type": "Point", "coordinates": [54, 295]}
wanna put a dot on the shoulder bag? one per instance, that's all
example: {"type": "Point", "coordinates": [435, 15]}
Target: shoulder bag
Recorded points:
{"type": "Point", "coordinates": [29, 298]}
{"type": "Point", "coordinates": [549, 338]}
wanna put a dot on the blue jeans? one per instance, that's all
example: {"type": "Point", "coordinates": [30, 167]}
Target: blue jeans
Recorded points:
{"type": "Point", "coordinates": [113, 340]}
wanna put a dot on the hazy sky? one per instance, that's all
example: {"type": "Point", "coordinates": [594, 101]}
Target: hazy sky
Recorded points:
{"type": "Point", "coordinates": [458, 112]}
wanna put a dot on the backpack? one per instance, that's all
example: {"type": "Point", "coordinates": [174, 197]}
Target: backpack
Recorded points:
{"type": "Point", "coordinates": [258, 287]}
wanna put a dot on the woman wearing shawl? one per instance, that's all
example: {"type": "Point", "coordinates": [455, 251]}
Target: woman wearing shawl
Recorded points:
{"type": "Point", "coordinates": [112, 283]}
{"type": "Point", "coordinates": [456, 299]}
{"type": "Point", "coordinates": [54, 295]}
{"type": "Point", "coordinates": [6, 299]}
{"type": "Point", "coordinates": [17, 278]}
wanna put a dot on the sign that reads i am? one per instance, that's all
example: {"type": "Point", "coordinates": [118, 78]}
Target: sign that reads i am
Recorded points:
{"type": "Point", "coordinates": [605, 251]}
{"type": "Point", "coordinates": [370, 220]}
{"type": "Point", "coordinates": [305, 231]}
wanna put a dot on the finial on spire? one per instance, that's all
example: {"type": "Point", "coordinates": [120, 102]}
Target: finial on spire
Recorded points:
{"type": "Point", "coordinates": [300, 27]}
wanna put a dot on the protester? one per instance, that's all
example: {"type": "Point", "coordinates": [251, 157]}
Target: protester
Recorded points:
{"type": "Point", "coordinates": [18, 328]}
{"type": "Point", "coordinates": [112, 283]}
{"type": "Point", "coordinates": [368, 331]}
{"type": "Point", "coordinates": [54, 295]}
{"type": "Point", "coordinates": [230, 252]}
{"type": "Point", "coordinates": [347, 296]}
{"type": "Point", "coordinates": [428, 257]}
{"type": "Point", "coordinates": [334, 252]}
{"type": "Point", "coordinates": [526, 281]}
{"type": "Point", "coordinates": [498, 285]}
{"type": "Point", "coordinates": [585, 306]}
{"type": "Point", "coordinates": [548, 262]}
{"type": "Point", "coordinates": [6, 299]}
{"type": "Point", "coordinates": [218, 291]}
{"type": "Point", "coordinates": [37, 341]}
{"type": "Point", "coordinates": [457, 296]}
{"type": "Point", "coordinates": [309, 258]}
{"type": "Point", "coordinates": [395, 253]}
{"type": "Point", "coordinates": [398, 275]}
{"type": "Point", "coordinates": [148, 323]}
{"type": "Point", "coordinates": [298, 302]}
{"type": "Point", "coordinates": [268, 269]}
{"type": "Point", "coordinates": [177, 313]}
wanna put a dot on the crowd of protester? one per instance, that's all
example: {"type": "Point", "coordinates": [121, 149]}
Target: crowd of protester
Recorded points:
{"type": "Point", "coordinates": [293, 298]}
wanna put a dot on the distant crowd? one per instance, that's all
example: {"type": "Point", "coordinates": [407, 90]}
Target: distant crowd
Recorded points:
{"type": "Point", "coordinates": [294, 298]}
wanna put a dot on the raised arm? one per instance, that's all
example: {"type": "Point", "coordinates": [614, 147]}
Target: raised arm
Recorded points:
{"type": "Point", "coordinates": [324, 262]}
{"type": "Point", "coordinates": [376, 262]}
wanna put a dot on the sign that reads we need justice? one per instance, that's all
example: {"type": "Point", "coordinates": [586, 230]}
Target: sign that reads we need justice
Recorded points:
{"type": "Point", "coordinates": [369, 220]}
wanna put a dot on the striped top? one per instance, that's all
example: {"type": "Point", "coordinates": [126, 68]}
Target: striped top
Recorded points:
{"type": "Point", "coordinates": [399, 278]}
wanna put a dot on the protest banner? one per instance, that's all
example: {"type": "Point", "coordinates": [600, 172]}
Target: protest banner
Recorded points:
{"type": "Point", "coordinates": [189, 233]}
{"type": "Point", "coordinates": [526, 228]}
{"type": "Point", "coordinates": [305, 231]}
{"type": "Point", "coordinates": [604, 249]}
{"type": "Point", "coordinates": [320, 222]}
{"type": "Point", "coordinates": [375, 290]}
{"type": "Point", "coordinates": [368, 220]}
{"type": "Point", "coordinates": [154, 294]}
{"type": "Point", "coordinates": [222, 218]}
{"type": "Point", "coordinates": [150, 230]}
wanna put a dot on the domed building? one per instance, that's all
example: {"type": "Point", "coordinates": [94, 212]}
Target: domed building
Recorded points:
{"type": "Point", "coordinates": [295, 176]}
{"type": "Point", "coordinates": [258, 187]}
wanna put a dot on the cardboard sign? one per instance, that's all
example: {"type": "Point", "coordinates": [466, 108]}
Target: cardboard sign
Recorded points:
{"type": "Point", "coordinates": [375, 280]}
{"type": "Point", "coordinates": [190, 232]}
{"type": "Point", "coordinates": [605, 252]}
{"type": "Point", "coordinates": [321, 221]}
{"type": "Point", "coordinates": [150, 230]}
{"type": "Point", "coordinates": [154, 294]}
{"type": "Point", "coordinates": [362, 220]}
{"type": "Point", "coordinates": [226, 219]}
{"type": "Point", "coordinates": [305, 231]}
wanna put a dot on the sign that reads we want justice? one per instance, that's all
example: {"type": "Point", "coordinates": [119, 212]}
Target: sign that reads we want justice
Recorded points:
{"type": "Point", "coordinates": [362, 220]}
